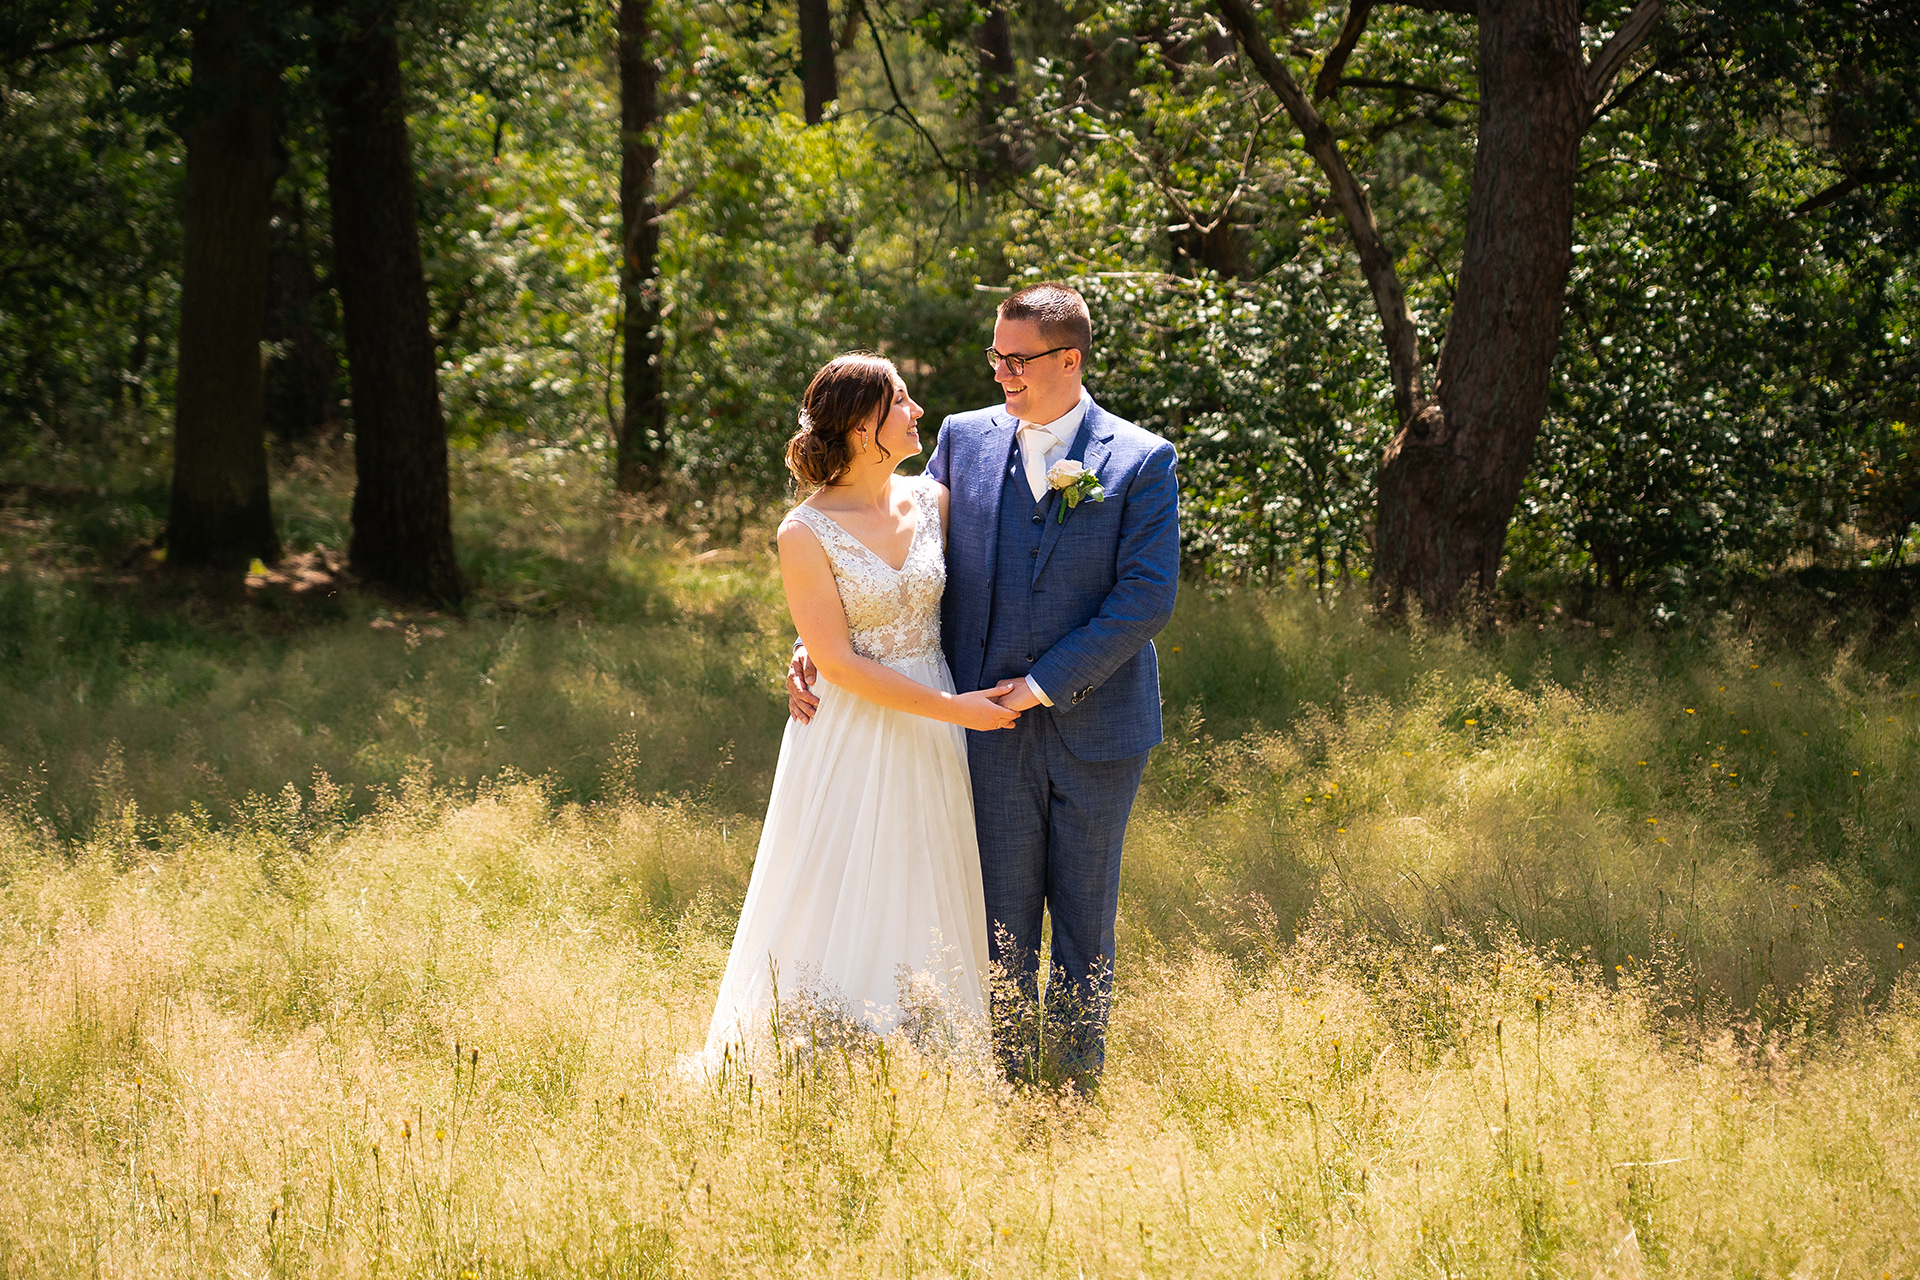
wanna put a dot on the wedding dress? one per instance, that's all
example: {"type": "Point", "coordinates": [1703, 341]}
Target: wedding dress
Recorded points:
{"type": "Point", "coordinates": [865, 899]}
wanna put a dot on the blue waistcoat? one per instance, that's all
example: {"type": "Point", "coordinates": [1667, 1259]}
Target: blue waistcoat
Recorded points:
{"type": "Point", "coordinates": [1010, 638]}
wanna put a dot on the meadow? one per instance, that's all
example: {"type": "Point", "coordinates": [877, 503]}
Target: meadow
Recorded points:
{"type": "Point", "coordinates": [338, 939]}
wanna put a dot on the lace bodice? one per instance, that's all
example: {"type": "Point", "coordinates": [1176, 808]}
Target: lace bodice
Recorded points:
{"type": "Point", "coordinates": [893, 615]}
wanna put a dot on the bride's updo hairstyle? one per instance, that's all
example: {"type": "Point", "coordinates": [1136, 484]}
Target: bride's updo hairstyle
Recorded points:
{"type": "Point", "coordinates": [847, 394]}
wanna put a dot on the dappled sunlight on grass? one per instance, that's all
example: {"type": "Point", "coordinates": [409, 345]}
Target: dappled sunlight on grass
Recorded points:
{"type": "Point", "coordinates": [442, 1038]}
{"type": "Point", "coordinates": [628, 636]}
{"type": "Point", "coordinates": [1685, 803]}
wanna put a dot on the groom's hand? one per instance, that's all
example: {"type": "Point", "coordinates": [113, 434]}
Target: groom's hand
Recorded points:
{"type": "Point", "coordinates": [801, 700]}
{"type": "Point", "coordinates": [1021, 698]}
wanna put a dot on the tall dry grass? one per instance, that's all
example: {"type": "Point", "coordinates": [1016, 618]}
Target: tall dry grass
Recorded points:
{"type": "Point", "coordinates": [441, 1040]}
{"type": "Point", "coordinates": [1539, 952]}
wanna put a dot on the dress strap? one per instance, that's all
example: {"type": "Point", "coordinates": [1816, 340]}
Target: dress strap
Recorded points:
{"type": "Point", "coordinates": [926, 500]}
{"type": "Point", "coordinates": [824, 527]}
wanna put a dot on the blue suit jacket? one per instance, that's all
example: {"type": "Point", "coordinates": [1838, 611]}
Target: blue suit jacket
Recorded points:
{"type": "Point", "coordinates": [1105, 578]}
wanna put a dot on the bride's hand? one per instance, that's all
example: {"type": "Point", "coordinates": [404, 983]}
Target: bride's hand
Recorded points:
{"type": "Point", "coordinates": [802, 702]}
{"type": "Point", "coordinates": [978, 710]}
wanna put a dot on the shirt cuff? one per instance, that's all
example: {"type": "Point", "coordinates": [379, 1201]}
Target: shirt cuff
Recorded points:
{"type": "Point", "coordinates": [1038, 692]}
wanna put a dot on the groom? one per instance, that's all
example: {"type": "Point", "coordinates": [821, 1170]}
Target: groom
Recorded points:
{"type": "Point", "coordinates": [1070, 598]}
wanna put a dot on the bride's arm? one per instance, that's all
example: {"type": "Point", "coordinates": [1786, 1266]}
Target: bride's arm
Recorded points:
{"type": "Point", "coordinates": [945, 503]}
{"type": "Point", "coordinates": [814, 602]}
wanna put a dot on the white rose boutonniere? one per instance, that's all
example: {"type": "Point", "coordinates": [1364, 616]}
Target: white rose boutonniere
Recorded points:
{"type": "Point", "coordinates": [1075, 485]}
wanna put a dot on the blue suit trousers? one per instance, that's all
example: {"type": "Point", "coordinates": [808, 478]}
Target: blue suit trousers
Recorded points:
{"type": "Point", "coordinates": [1051, 829]}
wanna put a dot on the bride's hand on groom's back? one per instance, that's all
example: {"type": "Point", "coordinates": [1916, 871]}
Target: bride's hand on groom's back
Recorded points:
{"type": "Point", "coordinates": [802, 701]}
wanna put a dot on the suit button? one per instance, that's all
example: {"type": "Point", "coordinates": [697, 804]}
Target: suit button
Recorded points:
{"type": "Point", "coordinates": [1036, 518]}
{"type": "Point", "coordinates": [983, 644]}
{"type": "Point", "coordinates": [1029, 657]}
{"type": "Point", "coordinates": [1034, 554]}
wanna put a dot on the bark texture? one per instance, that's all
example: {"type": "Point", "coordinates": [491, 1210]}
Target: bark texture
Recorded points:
{"type": "Point", "coordinates": [1449, 480]}
{"type": "Point", "coordinates": [642, 448]}
{"type": "Point", "coordinates": [402, 514]}
{"type": "Point", "coordinates": [819, 76]}
{"type": "Point", "coordinates": [220, 514]}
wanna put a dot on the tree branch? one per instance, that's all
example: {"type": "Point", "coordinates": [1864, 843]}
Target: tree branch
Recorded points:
{"type": "Point", "coordinates": [1469, 8]}
{"type": "Point", "coordinates": [1840, 190]}
{"type": "Point", "coordinates": [1403, 86]}
{"type": "Point", "coordinates": [1376, 263]}
{"type": "Point", "coordinates": [1327, 85]}
{"type": "Point", "coordinates": [1600, 113]}
{"type": "Point", "coordinates": [105, 36]}
{"type": "Point", "coordinates": [662, 208]}
{"type": "Point", "coordinates": [1614, 54]}
{"type": "Point", "coordinates": [900, 106]}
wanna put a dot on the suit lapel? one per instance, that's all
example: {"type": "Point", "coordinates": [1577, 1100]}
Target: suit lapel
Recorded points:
{"type": "Point", "coordinates": [996, 445]}
{"type": "Point", "coordinates": [1091, 445]}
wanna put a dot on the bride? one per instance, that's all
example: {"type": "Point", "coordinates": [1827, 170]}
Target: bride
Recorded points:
{"type": "Point", "coordinates": [865, 899]}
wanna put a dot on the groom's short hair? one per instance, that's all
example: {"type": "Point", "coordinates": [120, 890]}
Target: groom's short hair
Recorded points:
{"type": "Point", "coordinates": [1060, 312]}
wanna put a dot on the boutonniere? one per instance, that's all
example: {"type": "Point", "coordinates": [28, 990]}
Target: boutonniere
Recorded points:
{"type": "Point", "coordinates": [1075, 485]}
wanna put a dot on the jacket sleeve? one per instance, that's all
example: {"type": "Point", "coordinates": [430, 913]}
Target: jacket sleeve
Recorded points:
{"type": "Point", "coordinates": [937, 465]}
{"type": "Point", "coordinates": [1141, 601]}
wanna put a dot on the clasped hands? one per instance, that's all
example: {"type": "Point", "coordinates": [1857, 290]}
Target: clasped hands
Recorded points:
{"type": "Point", "coordinates": [996, 708]}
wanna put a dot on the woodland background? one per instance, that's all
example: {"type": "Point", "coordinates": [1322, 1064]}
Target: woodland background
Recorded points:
{"type": "Point", "coordinates": [1732, 393]}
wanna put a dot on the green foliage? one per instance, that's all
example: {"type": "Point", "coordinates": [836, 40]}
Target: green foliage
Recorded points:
{"type": "Point", "coordinates": [1737, 359]}
{"type": "Point", "coordinates": [1734, 392]}
{"type": "Point", "coordinates": [88, 244]}
{"type": "Point", "coordinates": [1269, 390]}
{"type": "Point", "coordinates": [517, 117]}
{"type": "Point", "coordinates": [798, 244]}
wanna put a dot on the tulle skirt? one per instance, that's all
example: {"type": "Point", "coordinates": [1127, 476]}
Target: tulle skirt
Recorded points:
{"type": "Point", "coordinates": [865, 902]}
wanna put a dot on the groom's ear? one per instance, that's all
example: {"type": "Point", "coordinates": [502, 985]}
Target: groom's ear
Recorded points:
{"type": "Point", "coordinates": [1073, 360]}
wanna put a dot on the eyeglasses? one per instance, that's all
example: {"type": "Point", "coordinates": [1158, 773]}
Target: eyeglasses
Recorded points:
{"type": "Point", "coordinates": [1017, 365]}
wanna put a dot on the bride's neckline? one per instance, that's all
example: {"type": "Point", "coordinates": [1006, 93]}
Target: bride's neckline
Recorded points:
{"type": "Point", "coordinates": [912, 538]}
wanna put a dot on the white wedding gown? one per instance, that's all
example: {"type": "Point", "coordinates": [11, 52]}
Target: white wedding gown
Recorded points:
{"type": "Point", "coordinates": [865, 900]}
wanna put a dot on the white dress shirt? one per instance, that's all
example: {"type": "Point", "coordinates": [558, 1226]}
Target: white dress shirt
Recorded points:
{"type": "Point", "coordinates": [1042, 445]}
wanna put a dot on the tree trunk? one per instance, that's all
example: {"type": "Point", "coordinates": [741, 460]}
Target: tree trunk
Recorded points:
{"type": "Point", "coordinates": [1450, 478]}
{"type": "Point", "coordinates": [1221, 249]}
{"type": "Point", "coordinates": [642, 461]}
{"type": "Point", "coordinates": [820, 78]}
{"type": "Point", "coordinates": [402, 515]}
{"type": "Point", "coordinates": [998, 92]}
{"type": "Point", "coordinates": [220, 514]}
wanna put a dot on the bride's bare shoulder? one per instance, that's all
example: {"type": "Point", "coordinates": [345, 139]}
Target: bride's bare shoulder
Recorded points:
{"type": "Point", "coordinates": [796, 528]}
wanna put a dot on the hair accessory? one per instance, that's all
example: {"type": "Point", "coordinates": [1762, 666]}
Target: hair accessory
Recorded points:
{"type": "Point", "coordinates": [806, 420]}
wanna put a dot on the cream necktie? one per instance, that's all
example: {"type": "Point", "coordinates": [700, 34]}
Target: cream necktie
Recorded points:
{"type": "Point", "coordinates": [1034, 443]}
